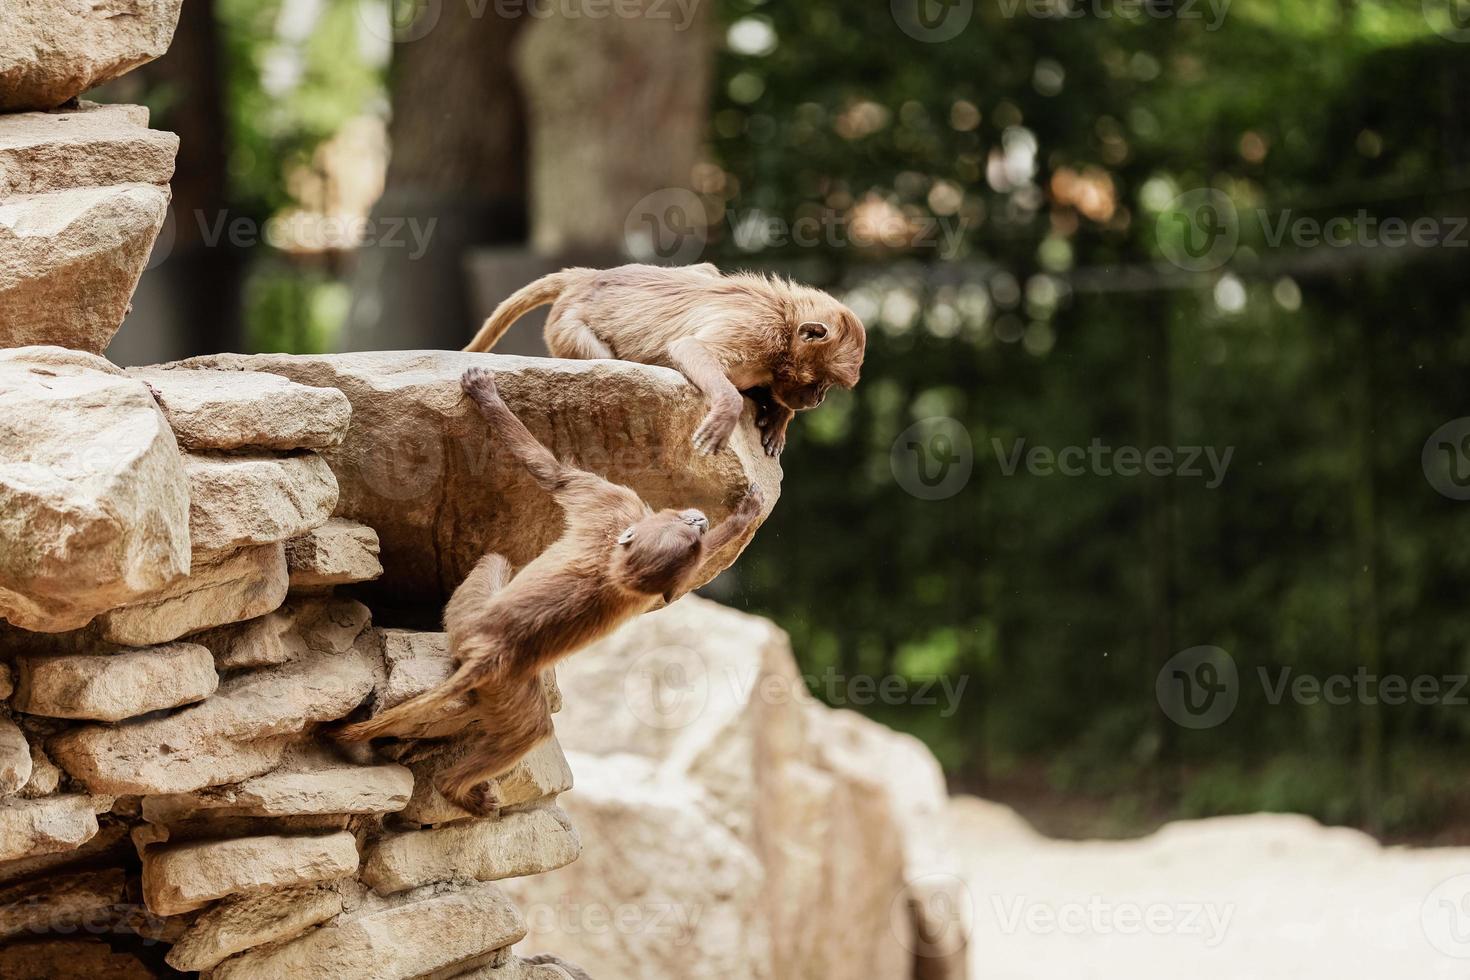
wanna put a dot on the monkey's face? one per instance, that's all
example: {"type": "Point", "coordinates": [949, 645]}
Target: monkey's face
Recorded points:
{"type": "Point", "coordinates": [827, 347]}
{"type": "Point", "coordinates": [658, 553]}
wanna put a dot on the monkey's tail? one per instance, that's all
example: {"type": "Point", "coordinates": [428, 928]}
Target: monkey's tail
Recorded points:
{"type": "Point", "coordinates": [522, 301]}
{"type": "Point", "coordinates": [412, 713]}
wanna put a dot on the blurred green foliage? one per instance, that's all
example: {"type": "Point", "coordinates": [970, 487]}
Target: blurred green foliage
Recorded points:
{"type": "Point", "coordinates": [1325, 369]}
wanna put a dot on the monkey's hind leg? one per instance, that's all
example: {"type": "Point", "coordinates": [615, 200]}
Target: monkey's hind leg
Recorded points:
{"type": "Point", "coordinates": [513, 720]}
{"type": "Point", "coordinates": [571, 337]}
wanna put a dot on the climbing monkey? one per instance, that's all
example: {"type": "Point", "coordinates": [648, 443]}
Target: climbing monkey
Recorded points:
{"type": "Point", "coordinates": [616, 558]}
{"type": "Point", "coordinates": [784, 343]}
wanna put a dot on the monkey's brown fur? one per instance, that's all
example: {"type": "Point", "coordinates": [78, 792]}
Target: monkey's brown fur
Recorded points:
{"type": "Point", "coordinates": [615, 559]}
{"type": "Point", "coordinates": [728, 334]}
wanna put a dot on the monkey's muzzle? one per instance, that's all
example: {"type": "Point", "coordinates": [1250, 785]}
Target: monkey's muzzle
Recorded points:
{"type": "Point", "coordinates": [696, 519]}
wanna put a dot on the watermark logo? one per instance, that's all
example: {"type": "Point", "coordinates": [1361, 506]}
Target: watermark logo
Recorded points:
{"type": "Point", "coordinates": [406, 471]}
{"type": "Point", "coordinates": [667, 688]}
{"type": "Point", "coordinates": [1199, 687]}
{"type": "Point", "coordinates": [933, 916]}
{"type": "Point", "coordinates": [933, 458]}
{"type": "Point", "coordinates": [932, 21]}
{"type": "Point", "coordinates": [1199, 230]}
{"type": "Point", "coordinates": [1205, 921]}
{"type": "Point", "coordinates": [1450, 19]}
{"type": "Point", "coordinates": [1446, 459]}
{"type": "Point", "coordinates": [1445, 917]}
{"type": "Point", "coordinates": [667, 227]}
{"type": "Point", "coordinates": [399, 21]}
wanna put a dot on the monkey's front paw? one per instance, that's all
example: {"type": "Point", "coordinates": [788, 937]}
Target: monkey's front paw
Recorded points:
{"type": "Point", "coordinates": [481, 799]}
{"type": "Point", "coordinates": [479, 384]}
{"type": "Point", "coordinates": [715, 431]}
{"type": "Point", "coordinates": [774, 441]}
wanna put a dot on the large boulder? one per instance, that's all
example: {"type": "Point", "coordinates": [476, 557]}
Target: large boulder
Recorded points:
{"type": "Point", "coordinates": [89, 146]}
{"type": "Point", "coordinates": [709, 705]}
{"type": "Point", "coordinates": [247, 410]}
{"type": "Point", "coordinates": [94, 501]}
{"type": "Point", "coordinates": [420, 467]}
{"type": "Point", "coordinates": [51, 52]}
{"type": "Point", "coordinates": [70, 260]}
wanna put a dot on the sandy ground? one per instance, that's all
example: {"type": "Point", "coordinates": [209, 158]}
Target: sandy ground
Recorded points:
{"type": "Point", "coordinates": [1234, 898]}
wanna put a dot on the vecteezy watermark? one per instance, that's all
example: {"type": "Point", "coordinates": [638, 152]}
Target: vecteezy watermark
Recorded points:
{"type": "Point", "coordinates": [1213, 12]}
{"type": "Point", "coordinates": [933, 916]}
{"type": "Point", "coordinates": [405, 21]}
{"type": "Point", "coordinates": [671, 687]}
{"type": "Point", "coordinates": [1450, 19]}
{"type": "Point", "coordinates": [317, 232]}
{"type": "Point", "coordinates": [1445, 917]}
{"type": "Point", "coordinates": [1199, 687]}
{"type": "Point", "coordinates": [1446, 459]}
{"type": "Point", "coordinates": [932, 21]}
{"type": "Point", "coordinates": [668, 225]}
{"type": "Point", "coordinates": [674, 923]}
{"type": "Point", "coordinates": [1099, 459]}
{"type": "Point", "coordinates": [1200, 230]}
{"type": "Point", "coordinates": [1206, 921]}
{"type": "Point", "coordinates": [933, 458]}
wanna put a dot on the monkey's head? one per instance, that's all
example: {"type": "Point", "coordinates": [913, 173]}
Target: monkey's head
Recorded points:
{"type": "Point", "coordinates": [825, 348]}
{"type": "Point", "coordinates": [656, 555]}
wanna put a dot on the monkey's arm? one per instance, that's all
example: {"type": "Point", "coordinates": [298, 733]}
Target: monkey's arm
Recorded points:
{"type": "Point", "coordinates": [734, 526]}
{"type": "Point", "coordinates": [699, 364]}
{"type": "Point", "coordinates": [772, 419]}
{"type": "Point", "coordinates": [549, 472]}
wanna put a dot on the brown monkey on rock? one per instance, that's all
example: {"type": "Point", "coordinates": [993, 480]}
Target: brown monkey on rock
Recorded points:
{"type": "Point", "coordinates": [785, 343]}
{"type": "Point", "coordinates": [615, 559]}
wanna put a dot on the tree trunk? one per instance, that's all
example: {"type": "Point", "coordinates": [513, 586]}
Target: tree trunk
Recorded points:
{"type": "Point", "coordinates": [617, 109]}
{"type": "Point", "coordinates": [458, 160]}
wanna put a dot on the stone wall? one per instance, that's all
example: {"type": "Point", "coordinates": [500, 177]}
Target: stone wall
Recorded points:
{"type": "Point", "coordinates": [205, 566]}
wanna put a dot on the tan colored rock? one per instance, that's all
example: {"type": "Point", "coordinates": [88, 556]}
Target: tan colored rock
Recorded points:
{"type": "Point", "coordinates": [515, 968]}
{"type": "Point", "coordinates": [7, 682]}
{"type": "Point", "coordinates": [183, 877]}
{"type": "Point", "coordinates": [70, 260]}
{"type": "Point", "coordinates": [240, 732]}
{"type": "Point", "coordinates": [525, 842]}
{"type": "Point", "coordinates": [240, 585]}
{"type": "Point", "coordinates": [15, 758]}
{"type": "Point", "coordinates": [45, 777]}
{"type": "Point", "coordinates": [111, 687]}
{"type": "Point", "coordinates": [713, 696]}
{"type": "Point", "coordinates": [662, 890]}
{"type": "Point", "coordinates": [51, 52]}
{"type": "Point", "coordinates": [424, 933]}
{"type": "Point", "coordinates": [543, 773]}
{"type": "Point", "coordinates": [108, 846]}
{"type": "Point", "coordinates": [247, 410]}
{"type": "Point", "coordinates": [89, 146]}
{"type": "Point", "coordinates": [48, 959]}
{"type": "Point", "coordinates": [236, 501]}
{"type": "Point", "coordinates": [29, 828]}
{"type": "Point", "coordinates": [92, 490]}
{"type": "Point", "coordinates": [243, 922]}
{"type": "Point", "coordinates": [302, 625]}
{"type": "Point", "coordinates": [323, 788]}
{"type": "Point", "coordinates": [337, 553]}
{"type": "Point", "coordinates": [419, 465]}
{"type": "Point", "coordinates": [59, 903]}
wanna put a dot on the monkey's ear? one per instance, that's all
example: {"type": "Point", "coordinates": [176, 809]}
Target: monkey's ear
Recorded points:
{"type": "Point", "coordinates": [812, 330]}
{"type": "Point", "coordinates": [626, 537]}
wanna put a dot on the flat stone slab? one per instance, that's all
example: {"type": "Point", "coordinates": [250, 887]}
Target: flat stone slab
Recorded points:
{"type": "Point", "coordinates": [243, 922]}
{"type": "Point", "coordinates": [89, 146]}
{"type": "Point", "coordinates": [420, 467]}
{"type": "Point", "coordinates": [422, 933]}
{"type": "Point", "coordinates": [51, 52]}
{"type": "Point", "coordinates": [49, 825]}
{"type": "Point", "coordinates": [111, 687]}
{"type": "Point", "coordinates": [183, 877]}
{"type": "Point", "coordinates": [247, 409]}
{"type": "Point", "coordinates": [524, 842]}
{"type": "Point", "coordinates": [237, 501]}
{"type": "Point", "coordinates": [326, 788]}
{"type": "Point", "coordinates": [337, 553]}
